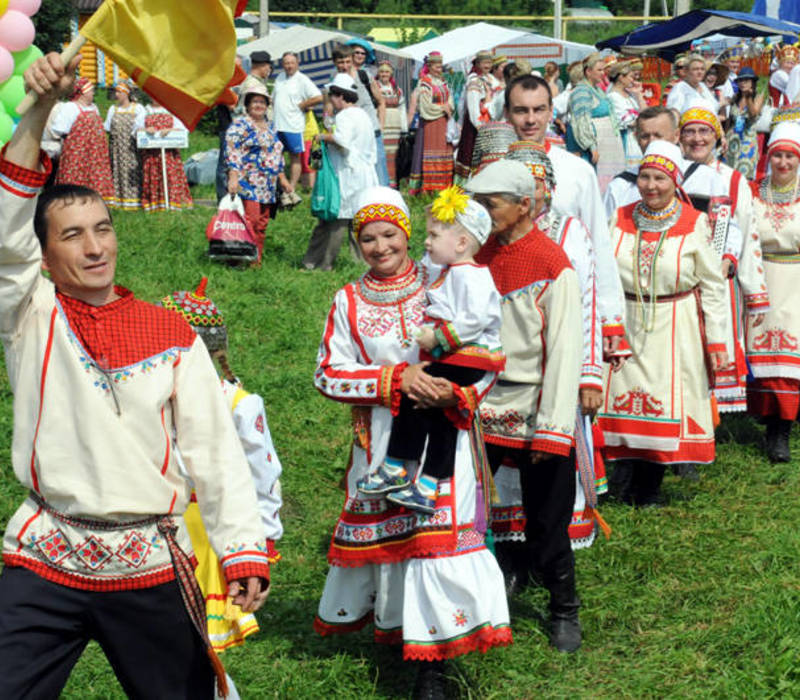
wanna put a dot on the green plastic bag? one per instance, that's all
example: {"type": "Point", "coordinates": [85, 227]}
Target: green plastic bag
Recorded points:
{"type": "Point", "coordinates": [325, 198]}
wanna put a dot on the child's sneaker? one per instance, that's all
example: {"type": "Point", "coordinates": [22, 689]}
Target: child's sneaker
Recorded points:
{"type": "Point", "coordinates": [382, 482]}
{"type": "Point", "coordinates": [412, 498]}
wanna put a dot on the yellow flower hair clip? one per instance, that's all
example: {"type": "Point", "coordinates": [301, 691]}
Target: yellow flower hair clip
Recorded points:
{"type": "Point", "coordinates": [448, 203]}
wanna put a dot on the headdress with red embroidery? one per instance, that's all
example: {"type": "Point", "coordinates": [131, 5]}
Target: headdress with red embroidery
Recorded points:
{"type": "Point", "coordinates": [80, 86]}
{"type": "Point", "coordinates": [382, 204]}
{"type": "Point", "coordinates": [666, 157]}
{"type": "Point", "coordinates": [535, 157]}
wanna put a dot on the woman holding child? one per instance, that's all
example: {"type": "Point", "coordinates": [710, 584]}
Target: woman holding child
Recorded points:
{"type": "Point", "coordinates": [425, 580]}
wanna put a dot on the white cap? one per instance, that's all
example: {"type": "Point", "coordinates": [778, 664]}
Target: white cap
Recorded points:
{"type": "Point", "coordinates": [381, 204]}
{"type": "Point", "coordinates": [342, 81]}
{"type": "Point", "coordinates": [476, 220]}
{"type": "Point", "coordinates": [382, 195]}
{"type": "Point", "coordinates": [503, 177]}
{"type": "Point", "coordinates": [785, 136]}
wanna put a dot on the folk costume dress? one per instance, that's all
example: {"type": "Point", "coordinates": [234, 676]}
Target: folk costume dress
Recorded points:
{"type": "Point", "coordinates": [626, 110]}
{"type": "Point", "coordinates": [657, 407]}
{"type": "Point", "coordinates": [593, 126]}
{"type": "Point", "coordinates": [426, 581]}
{"type": "Point", "coordinates": [395, 123]}
{"type": "Point", "coordinates": [84, 154]}
{"type": "Point", "coordinates": [723, 193]}
{"type": "Point", "coordinates": [479, 96]}
{"type": "Point", "coordinates": [432, 163]}
{"type": "Point", "coordinates": [153, 195]}
{"type": "Point", "coordinates": [126, 169]}
{"type": "Point", "coordinates": [773, 351]}
{"type": "Point", "coordinates": [742, 153]}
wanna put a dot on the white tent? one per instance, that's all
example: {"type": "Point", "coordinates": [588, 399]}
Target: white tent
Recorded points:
{"type": "Point", "coordinates": [459, 46]}
{"type": "Point", "coordinates": [315, 46]}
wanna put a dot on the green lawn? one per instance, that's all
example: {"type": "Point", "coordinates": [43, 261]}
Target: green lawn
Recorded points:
{"type": "Point", "coordinates": [698, 599]}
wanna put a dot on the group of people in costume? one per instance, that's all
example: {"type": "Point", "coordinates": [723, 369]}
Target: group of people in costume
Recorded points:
{"type": "Point", "coordinates": [103, 155]}
{"type": "Point", "coordinates": [564, 313]}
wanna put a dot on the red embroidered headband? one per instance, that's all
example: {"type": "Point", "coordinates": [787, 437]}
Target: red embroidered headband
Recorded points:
{"type": "Point", "coordinates": [381, 212]}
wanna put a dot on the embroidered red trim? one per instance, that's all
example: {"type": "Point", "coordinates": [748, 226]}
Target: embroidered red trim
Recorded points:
{"type": "Point", "coordinates": [395, 395]}
{"type": "Point", "coordinates": [482, 639]}
{"type": "Point", "coordinates": [326, 629]}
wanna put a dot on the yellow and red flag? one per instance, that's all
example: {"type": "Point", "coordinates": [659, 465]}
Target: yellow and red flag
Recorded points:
{"type": "Point", "coordinates": [180, 52]}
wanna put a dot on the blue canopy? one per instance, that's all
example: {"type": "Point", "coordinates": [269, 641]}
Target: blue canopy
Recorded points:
{"type": "Point", "coordinates": [676, 35]}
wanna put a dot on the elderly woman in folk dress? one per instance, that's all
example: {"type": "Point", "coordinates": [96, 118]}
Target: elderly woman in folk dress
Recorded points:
{"type": "Point", "coordinates": [122, 121]}
{"type": "Point", "coordinates": [395, 121]}
{"type": "Point", "coordinates": [255, 161]}
{"type": "Point", "coordinates": [84, 154]}
{"type": "Point", "coordinates": [772, 348]}
{"type": "Point", "coordinates": [657, 408]}
{"type": "Point", "coordinates": [426, 581]}
{"type": "Point", "coordinates": [593, 130]}
{"type": "Point", "coordinates": [432, 164]}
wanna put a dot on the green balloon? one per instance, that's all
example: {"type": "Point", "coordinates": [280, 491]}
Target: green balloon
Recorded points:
{"type": "Point", "coordinates": [24, 58]}
{"type": "Point", "coordinates": [11, 93]}
{"type": "Point", "coordinates": [6, 128]}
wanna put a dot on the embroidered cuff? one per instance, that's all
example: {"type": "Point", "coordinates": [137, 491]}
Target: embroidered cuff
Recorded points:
{"type": "Point", "coordinates": [390, 385]}
{"type": "Point", "coordinates": [757, 303]}
{"type": "Point", "coordinates": [552, 444]}
{"type": "Point", "coordinates": [244, 564]}
{"type": "Point", "coordinates": [462, 414]}
{"type": "Point", "coordinates": [715, 347]}
{"type": "Point", "coordinates": [21, 181]}
{"type": "Point", "coordinates": [446, 336]}
{"type": "Point", "coordinates": [591, 383]}
{"type": "Point", "coordinates": [623, 350]}
{"type": "Point", "coordinates": [733, 261]}
{"type": "Point", "coordinates": [611, 329]}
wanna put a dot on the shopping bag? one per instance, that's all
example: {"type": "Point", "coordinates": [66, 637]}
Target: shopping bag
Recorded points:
{"type": "Point", "coordinates": [325, 197]}
{"type": "Point", "coordinates": [230, 236]}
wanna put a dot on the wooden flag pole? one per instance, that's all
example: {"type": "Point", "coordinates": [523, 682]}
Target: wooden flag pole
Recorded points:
{"type": "Point", "coordinates": [67, 55]}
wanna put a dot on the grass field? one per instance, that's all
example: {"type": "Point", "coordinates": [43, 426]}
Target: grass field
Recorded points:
{"type": "Point", "coordinates": [700, 599]}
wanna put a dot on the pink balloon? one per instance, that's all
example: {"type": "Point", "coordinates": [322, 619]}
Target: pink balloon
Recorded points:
{"type": "Point", "coordinates": [27, 7]}
{"type": "Point", "coordinates": [6, 65]}
{"type": "Point", "coordinates": [16, 31]}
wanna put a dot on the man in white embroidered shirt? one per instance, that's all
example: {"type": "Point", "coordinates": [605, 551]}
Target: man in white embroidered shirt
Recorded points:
{"type": "Point", "coordinates": [101, 380]}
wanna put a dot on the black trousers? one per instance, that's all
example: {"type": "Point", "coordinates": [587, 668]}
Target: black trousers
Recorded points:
{"type": "Point", "coordinates": [411, 427]}
{"type": "Point", "coordinates": [548, 496]}
{"type": "Point", "coordinates": [146, 635]}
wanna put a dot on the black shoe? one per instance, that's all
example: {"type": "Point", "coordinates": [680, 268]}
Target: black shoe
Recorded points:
{"type": "Point", "coordinates": [565, 631]}
{"type": "Point", "coordinates": [778, 440]}
{"type": "Point", "coordinates": [688, 471]}
{"type": "Point", "coordinates": [431, 681]}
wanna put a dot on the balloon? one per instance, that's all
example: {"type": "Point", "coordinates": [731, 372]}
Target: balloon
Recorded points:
{"type": "Point", "coordinates": [6, 127]}
{"type": "Point", "coordinates": [6, 65]}
{"type": "Point", "coordinates": [16, 31]}
{"type": "Point", "coordinates": [27, 7]}
{"type": "Point", "coordinates": [11, 93]}
{"type": "Point", "coordinates": [22, 59]}
{"type": "Point", "coordinates": [3, 6]}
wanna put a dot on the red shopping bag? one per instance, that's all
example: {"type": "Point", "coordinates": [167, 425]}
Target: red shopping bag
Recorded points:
{"type": "Point", "coordinates": [230, 236]}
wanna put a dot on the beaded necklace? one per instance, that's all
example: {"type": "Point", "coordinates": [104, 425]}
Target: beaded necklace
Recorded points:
{"type": "Point", "coordinates": [776, 198]}
{"type": "Point", "coordinates": [660, 221]}
{"type": "Point", "coordinates": [392, 290]}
